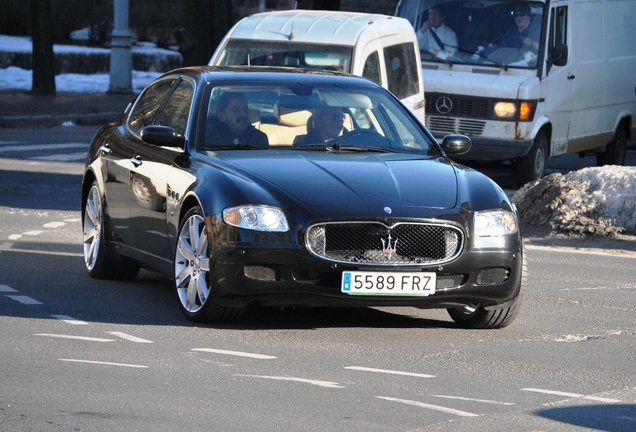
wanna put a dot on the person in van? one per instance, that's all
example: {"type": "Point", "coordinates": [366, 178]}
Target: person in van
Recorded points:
{"type": "Point", "coordinates": [231, 124]}
{"type": "Point", "coordinates": [326, 123]}
{"type": "Point", "coordinates": [436, 37]}
{"type": "Point", "coordinates": [524, 33]}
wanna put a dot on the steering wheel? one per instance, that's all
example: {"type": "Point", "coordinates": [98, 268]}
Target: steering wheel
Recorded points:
{"type": "Point", "coordinates": [367, 137]}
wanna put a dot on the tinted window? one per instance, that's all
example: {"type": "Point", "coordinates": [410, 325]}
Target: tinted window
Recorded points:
{"type": "Point", "coordinates": [372, 68]}
{"type": "Point", "coordinates": [148, 104]}
{"type": "Point", "coordinates": [175, 114]}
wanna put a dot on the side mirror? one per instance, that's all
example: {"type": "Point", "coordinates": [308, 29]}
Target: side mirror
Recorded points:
{"type": "Point", "coordinates": [559, 55]}
{"type": "Point", "coordinates": [162, 136]}
{"type": "Point", "coordinates": [456, 144]}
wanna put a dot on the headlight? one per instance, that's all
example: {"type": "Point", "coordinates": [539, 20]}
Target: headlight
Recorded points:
{"type": "Point", "coordinates": [505, 109]}
{"type": "Point", "coordinates": [259, 218]}
{"type": "Point", "coordinates": [495, 223]}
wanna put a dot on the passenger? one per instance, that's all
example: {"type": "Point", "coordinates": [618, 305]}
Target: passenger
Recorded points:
{"type": "Point", "coordinates": [232, 123]}
{"type": "Point", "coordinates": [325, 124]}
{"type": "Point", "coordinates": [524, 33]}
{"type": "Point", "coordinates": [436, 37]}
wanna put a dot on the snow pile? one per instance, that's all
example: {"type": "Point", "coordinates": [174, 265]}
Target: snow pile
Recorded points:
{"type": "Point", "coordinates": [598, 200]}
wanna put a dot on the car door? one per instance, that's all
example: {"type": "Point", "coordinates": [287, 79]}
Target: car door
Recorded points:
{"type": "Point", "coordinates": [151, 166]}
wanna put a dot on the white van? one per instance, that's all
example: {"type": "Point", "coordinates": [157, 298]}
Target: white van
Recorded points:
{"type": "Point", "coordinates": [379, 47]}
{"type": "Point", "coordinates": [530, 79]}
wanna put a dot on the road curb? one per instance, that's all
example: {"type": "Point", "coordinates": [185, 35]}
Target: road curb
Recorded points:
{"type": "Point", "coordinates": [51, 120]}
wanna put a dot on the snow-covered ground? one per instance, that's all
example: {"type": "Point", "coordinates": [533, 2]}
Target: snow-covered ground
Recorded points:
{"type": "Point", "coordinates": [591, 200]}
{"type": "Point", "coordinates": [14, 78]}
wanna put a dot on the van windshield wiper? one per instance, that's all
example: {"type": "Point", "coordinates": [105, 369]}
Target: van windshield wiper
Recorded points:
{"type": "Point", "coordinates": [482, 55]}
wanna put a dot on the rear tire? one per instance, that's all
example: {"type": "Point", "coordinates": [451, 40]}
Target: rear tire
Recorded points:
{"type": "Point", "coordinates": [533, 166]}
{"type": "Point", "coordinates": [614, 153]}
{"type": "Point", "coordinates": [476, 316]}
{"type": "Point", "coordinates": [192, 273]}
{"type": "Point", "coordinates": [100, 261]}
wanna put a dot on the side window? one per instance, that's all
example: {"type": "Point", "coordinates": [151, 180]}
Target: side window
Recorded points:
{"type": "Point", "coordinates": [371, 68]}
{"type": "Point", "coordinates": [175, 114]}
{"type": "Point", "coordinates": [558, 32]}
{"type": "Point", "coordinates": [401, 68]}
{"type": "Point", "coordinates": [148, 104]}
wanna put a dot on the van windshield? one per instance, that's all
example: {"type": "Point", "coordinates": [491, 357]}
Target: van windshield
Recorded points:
{"type": "Point", "coordinates": [272, 53]}
{"type": "Point", "coordinates": [496, 33]}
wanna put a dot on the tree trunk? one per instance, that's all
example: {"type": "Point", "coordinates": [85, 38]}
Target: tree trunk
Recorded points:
{"type": "Point", "coordinates": [43, 58]}
{"type": "Point", "coordinates": [209, 22]}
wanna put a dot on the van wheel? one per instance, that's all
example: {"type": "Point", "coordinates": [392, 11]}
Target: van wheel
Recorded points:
{"type": "Point", "coordinates": [532, 166]}
{"type": "Point", "coordinates": [614, 153]}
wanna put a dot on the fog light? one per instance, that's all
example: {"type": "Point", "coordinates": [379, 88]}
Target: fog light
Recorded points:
{"type": "Point", "coordinates": [260, 273]}
{"type": "Point", "coordinates": [492, 276]}
{"type": "Point", "coordinates": [449, 281]}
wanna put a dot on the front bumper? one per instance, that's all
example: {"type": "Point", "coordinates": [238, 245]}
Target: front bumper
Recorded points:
{"type": "Point", "coordinates": [293, 277]}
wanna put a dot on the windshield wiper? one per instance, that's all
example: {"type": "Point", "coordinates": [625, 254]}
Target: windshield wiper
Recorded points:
{"type": "Point", "coordinates": [482, 55]}
{"type": "Point", "coordinates": [337, 148]}
{"type": "Point", "coordinates": [236, 147]}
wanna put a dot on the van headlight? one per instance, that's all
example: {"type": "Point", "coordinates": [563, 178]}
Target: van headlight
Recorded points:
{"type": "Point", "coordinates": [493, 223]}
{"type": "Point", "coordinates": [256, 217]}
{"type": "Point", "coordinates": [505, 109]}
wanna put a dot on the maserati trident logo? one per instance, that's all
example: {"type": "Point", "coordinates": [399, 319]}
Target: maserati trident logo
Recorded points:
{"type": "Point", "coordinates": [389, 247]}
{"type": "Point", "coordinates": [444, 105]}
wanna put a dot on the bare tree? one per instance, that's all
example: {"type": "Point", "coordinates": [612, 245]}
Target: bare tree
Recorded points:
{"type": "Point", "coordinates": [43, 58]}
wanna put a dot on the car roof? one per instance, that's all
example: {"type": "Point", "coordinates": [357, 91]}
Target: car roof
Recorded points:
{"type": "Point", "coordinates": [268, 73]}
{"type": "Point", "coordinates": [315, 26]}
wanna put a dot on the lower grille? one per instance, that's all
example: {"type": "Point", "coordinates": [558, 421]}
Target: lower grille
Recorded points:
{"type": "Point", "coordinates": [378, 244]}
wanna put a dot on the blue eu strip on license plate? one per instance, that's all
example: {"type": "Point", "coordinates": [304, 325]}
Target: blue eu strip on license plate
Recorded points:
{"type": "Point", "coordinates": [383, 283]}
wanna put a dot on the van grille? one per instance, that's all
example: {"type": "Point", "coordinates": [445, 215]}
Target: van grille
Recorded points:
{"type": "Point", "coordinates": [462, 106]}
{"type": "Point", "coordinates": [440, 126]}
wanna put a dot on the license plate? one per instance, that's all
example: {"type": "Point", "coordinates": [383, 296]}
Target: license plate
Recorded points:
{"type": "Point", "coordinates": [383, 283]}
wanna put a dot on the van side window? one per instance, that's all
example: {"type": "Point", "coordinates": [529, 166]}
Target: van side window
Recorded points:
{"type": "Point", "coordinates": [371, 68]}
{"type": "Point", "coordinates": [401, 69]}
{"type": "Point", "coordinates": [558, 27]}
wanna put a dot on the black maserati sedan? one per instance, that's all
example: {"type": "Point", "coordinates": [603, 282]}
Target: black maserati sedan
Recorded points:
{"type": "Point", "coordinates": [291, 188]}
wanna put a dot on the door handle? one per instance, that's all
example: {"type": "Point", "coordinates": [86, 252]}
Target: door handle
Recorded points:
{"type": "Point", "coordinates": [105, 148]}
{"type": "Point", "coordinates": [571, 77]}
{"type": "Point", "coordinates": [136, 161]}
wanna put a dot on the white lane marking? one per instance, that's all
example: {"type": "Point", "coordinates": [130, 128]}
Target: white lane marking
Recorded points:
{"type": "Point", "coordinates": [61, 157]}
{"type": "Point", "coordinates": [83, 338]}
{"type": "Point", "coordinates": [7, 288]}
{"type": "Point", "coordinates": [15, 236]}
{"type": "Point", "coordinates": [26, 300]}
{"type": "Point", "coordinates": [387, 371]}
{"type": "Point", "coordinates": [429, 406]}
{"type": "Point", "coordinates": [33, 233]}
{"type": "Point", "coordinates": [235, 353]}
{"type": "Point", "coordinates": [624, 254]}
{"type": "Point", "coordinates": [69, 319]}
{"type": "Point", "coordinates": [33, 147]}
{"type": "Point", "coordinates": [327, 384]}
{"type": "Point", "coordinates": [474, 400]}
{"type": "Point", "coordinates": [129, 337]}
{"type": "Point", "coordinates": [105, 363]}
{"type": "Point", "coordinates": [43, 252]}
{"type": "Point", "coordinates": [54, 224]}
{"type": "Point", "coordinates": [572, 395]}
{"type": "Point", "coordinates": [73, 220]}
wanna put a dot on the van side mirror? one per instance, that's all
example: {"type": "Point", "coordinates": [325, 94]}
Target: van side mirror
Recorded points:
{"type": "Point", "coordinates": [559, 55]}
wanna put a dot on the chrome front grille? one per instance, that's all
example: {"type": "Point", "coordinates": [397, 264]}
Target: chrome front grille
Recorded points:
{"type": "Point", "coordinates": [378, 244]}
{"type": "Point", "coordinates": [441, 126]}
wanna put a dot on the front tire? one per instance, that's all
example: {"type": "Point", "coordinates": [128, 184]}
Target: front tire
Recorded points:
{"type": "Point", "coordinates": [533, 166]}
{"type": "Point", "coordinates": [476, 316]}
{"type": "Point", "coordinates": [192, 274]}
{"type": "Point", "coordinates": [100, 262]}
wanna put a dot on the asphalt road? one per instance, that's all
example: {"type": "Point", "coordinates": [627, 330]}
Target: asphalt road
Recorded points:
{"type": "Point", "coordinates": [89, 355]}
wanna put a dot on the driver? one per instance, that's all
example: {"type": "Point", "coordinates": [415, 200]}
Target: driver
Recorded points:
{"type": "Point", "coordinates": [524, 33]}
{"type": "Point", "coordinates": [326, 123]}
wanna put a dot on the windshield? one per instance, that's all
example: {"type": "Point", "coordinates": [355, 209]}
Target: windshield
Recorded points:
{"type": "Point", "coordinates": [497, 33]}
{"type": "Point", "coordinates": [301, 117]}
{"type": "Point", "coordinates": [267, 53]}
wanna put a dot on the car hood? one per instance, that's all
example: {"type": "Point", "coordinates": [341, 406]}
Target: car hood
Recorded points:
{"type": "Point", "coordinates": [326, 179]}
